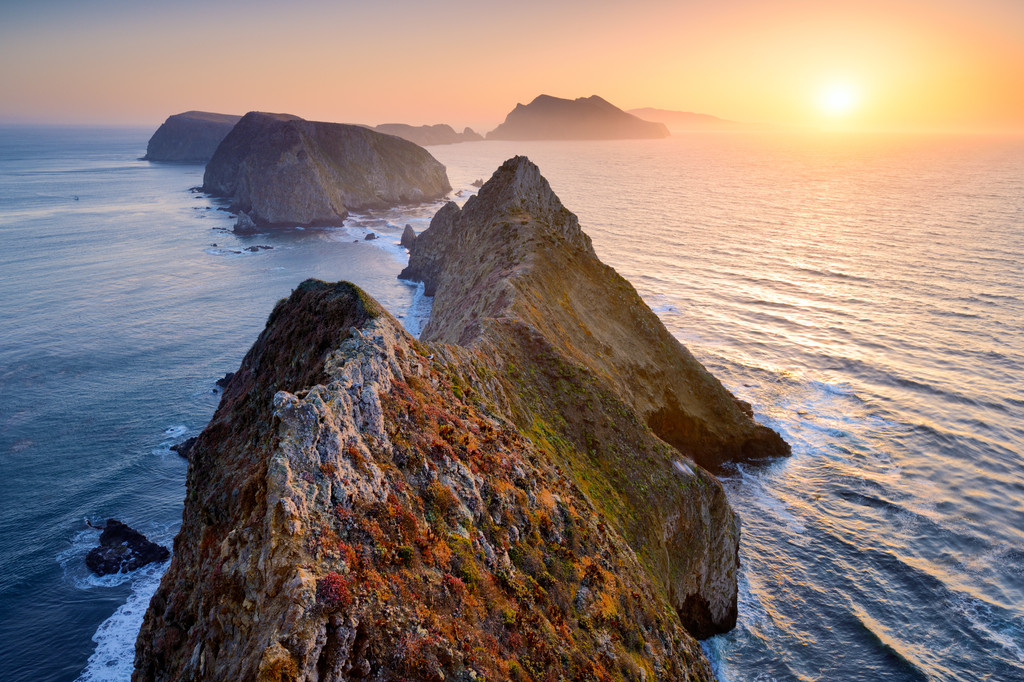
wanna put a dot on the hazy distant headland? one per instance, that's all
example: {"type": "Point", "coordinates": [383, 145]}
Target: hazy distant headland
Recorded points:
{"type": "Point", "coordinates": [584, 118]}
{"type": "Point", "coordinates": [428, 135]}
{"type": "Point", "coordinates": [279, 169]}
{"type": "Point", "coordinates": [683, 121]}
{"type": "Point", "coordinates": [190, 137]}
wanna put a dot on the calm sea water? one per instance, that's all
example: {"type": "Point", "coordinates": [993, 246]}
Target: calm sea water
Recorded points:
{"type": "Point", "coordinates": [865, 294]}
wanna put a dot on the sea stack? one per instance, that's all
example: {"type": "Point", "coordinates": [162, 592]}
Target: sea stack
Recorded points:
{"type": "Point", "coordinates": [191, 137]}
{"type": "Point", "coordinates": [281, 170]}
{"type": "Point", "coordinates": [483, 504]}
{"type": "Point", "coordinates": [584, 118]}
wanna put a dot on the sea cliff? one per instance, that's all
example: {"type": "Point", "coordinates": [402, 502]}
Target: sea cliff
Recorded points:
{"type": "Point", "coordinates": [482, 503]}
{"type": "Point", "coordinates": [278, 169]}
{"type": "Point", "coordinates": [191, 137]}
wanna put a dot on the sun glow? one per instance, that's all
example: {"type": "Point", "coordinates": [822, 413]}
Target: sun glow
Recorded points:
{"type": "Point", "coordinates": [838, 99]}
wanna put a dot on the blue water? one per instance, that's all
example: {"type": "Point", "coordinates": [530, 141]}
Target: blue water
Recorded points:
{"type": "Point", "coordinates": [864, 293]}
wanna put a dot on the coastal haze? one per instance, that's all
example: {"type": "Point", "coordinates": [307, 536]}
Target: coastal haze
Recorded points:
{"type": "Point", "coordinates": [822, 203]}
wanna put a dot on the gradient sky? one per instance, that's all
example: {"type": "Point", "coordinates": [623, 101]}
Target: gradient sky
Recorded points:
{"type": "Point", "coordinates": [909, 64]}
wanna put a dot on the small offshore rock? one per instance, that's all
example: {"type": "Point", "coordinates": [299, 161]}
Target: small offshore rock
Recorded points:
{"type": "Point", "coordinates": [244, 224]}
{"type": "Point", "coordinates": [123, 549]}
{"type": "Point", "coordinates": [479, 182]}
{"type": "Point", "coordinates": [408, 236]}
{"type": "Point", "coordinates": [370, 236]}
{"type": "Point", "coordinates": [184, 448]}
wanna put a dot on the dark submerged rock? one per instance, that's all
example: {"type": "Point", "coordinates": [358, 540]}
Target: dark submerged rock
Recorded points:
{"type": "Point", "coordinates": [123, 549]}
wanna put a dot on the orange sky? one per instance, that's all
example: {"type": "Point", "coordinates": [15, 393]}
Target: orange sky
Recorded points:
{"type": "Point", "coordinates": [912, 64]}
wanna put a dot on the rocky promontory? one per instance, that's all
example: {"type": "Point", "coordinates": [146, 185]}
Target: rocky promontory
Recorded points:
{"type": "Point", "coordinates": [584, 118]}
{"type": "Point", "coordinates": [428, 135]}
{"type": "Point", "coordinates": [278, 169]}
{"type": "Point", "coordinates": [482, 504]}
{"type": "Point", "coordinates": [191, 137]}
{"type": "Point", "coordinates": [515, 252]}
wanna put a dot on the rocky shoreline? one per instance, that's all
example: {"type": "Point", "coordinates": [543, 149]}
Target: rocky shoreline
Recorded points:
{"type": "Point", "coordinates": [490, 501]}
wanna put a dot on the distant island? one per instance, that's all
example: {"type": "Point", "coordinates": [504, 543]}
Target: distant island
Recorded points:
{"type": "Point", "coordinates": [190, 137]}
{"type": "Point", "coordinates": [426, 136]}
{"type": "Point", "coordinates": [584, 118]}
{"type": "Point", "coordinates": [279, 169]}
{"type": "Point", "coordinates": [683, 121]}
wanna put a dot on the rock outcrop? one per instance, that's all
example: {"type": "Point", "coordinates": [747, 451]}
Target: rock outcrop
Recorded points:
{"type": "Point", "coordinates": [278, 169]}
{"type": "Point", "coordinates": [191, 137]}
{"type": "Point", "coordinates": [484, 504]}
{"type": "Point", "coordinates": [426, 136]}
{"type": "Point", "coordinates": [408, 236]}
{"type": "Point", "coordinates": [123, 549]}
{"type": "Point", "coordinates": [584, 118]}
{"type": "Point", "coordinates": [515, 252]}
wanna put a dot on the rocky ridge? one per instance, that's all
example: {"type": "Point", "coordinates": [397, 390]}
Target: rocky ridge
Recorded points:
{"type": "Point", "coordinates": [584, 118]}
{"type": "Point", "coordinates": [190, 137]}
{"type": "Point", "coordinates": [364, 505]}
{"type": "Point", "coordinates": [279, 169]}
{"type": "Point", "coordinates": [514, 252]}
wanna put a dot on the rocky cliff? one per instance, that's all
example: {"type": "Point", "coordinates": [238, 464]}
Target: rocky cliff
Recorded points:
{"type": "Point", "coordinates": [584, 118]}
{"type": "Point", "coordinates": [426, 136]}
{"type": "Point", "coordinates": [282, 170]}
{"type": "Point", "coordinates": [364, 505]}
{"type": "Point", "coordinates": [516, 253]}
{"type": "Point", "coordinates": [191, 137]}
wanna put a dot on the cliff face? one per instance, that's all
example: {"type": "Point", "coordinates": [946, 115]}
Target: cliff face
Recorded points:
{"type": "Point", "coordinates": [515, 252]}
{"type": "Point", "coordinates": [584, 118]}
{"type": "Point", "coordinates": [191, 137]}
{"type": "Point", "coordinates": [429, 135]}
{"type": "Point", "coordinates": [366, 506]}
{"type": "Point", "coordinates": [281, 170]}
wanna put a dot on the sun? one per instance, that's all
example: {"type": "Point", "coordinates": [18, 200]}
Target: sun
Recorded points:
{"type": "Point", "coordinates": [838, 99]}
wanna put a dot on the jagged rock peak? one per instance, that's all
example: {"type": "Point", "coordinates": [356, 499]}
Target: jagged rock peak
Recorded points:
{"type": "Point", "coordinates": [517, 189]}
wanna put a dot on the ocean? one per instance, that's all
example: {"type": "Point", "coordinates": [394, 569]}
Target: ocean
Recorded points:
{"type": "Point", "coordinates": [864, 293]}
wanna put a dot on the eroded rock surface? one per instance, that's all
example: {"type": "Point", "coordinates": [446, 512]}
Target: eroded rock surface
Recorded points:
{"type": "Point", "coordinates": [278, 169]}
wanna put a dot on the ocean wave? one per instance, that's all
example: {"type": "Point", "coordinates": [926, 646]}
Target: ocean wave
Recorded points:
{"type": "Point", "coordinates": [113, 660]}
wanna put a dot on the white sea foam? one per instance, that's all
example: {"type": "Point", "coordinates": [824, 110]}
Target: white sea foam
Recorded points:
{"type": "Point", "coordinates": [176, 431]}
{"type": "Point", "coordinates": [418, 314]}
{"type": "Point", "coordinates": [114, 656]}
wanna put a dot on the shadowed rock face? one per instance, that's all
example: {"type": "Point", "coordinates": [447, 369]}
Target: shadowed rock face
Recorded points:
{"type": "Point", "coordinates": [282, 170]}
{"type": "Point", "coordinates": [584, 118]}
{"type": "Point", "coordinates": [428, 135]}
{"type": "Point", "coordinates": [191, 137]}
{"type": "Point", "coordinates": [515, 252]}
